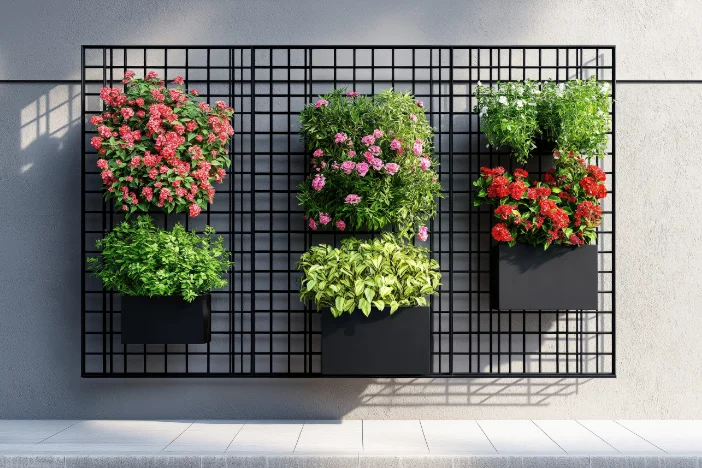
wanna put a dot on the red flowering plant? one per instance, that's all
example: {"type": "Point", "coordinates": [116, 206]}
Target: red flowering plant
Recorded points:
{"type": "Point", "coordinates": [561, 209]}
{"type": "Point", "coordinates": [160, 147]}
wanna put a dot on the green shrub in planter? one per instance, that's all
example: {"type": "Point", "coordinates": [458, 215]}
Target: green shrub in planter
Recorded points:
{"type": "Point", "coordinates": [574, 115]}
{"type": "Point", "coordinates": [508, 115]}
{"type": "Point", "coordinates": [571, 116]}
{"type": "Point", "coordinates": [364, 274]}
{"type": "Point", "coordinates": [139, 259]}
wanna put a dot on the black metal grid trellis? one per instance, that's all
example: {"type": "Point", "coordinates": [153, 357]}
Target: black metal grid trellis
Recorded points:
{"type": "Point", "coordinates": [259, 326]}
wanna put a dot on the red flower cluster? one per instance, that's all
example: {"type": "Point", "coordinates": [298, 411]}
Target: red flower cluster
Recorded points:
{"type": "Point", "coordinates": [563, 209]}
{"type": "Point", "coordinates": [501, 233]}
{"type": "Point", "coordinates": [153, 140]}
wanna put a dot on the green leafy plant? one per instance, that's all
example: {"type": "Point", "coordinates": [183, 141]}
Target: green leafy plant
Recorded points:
{"type": "Point", "coordinates": [508, 115]}
{"type": "Point", "coordinates": [378, 273]}
{"type": "Point", "coordinates": [563, 209]}
{"type": "Point", "coordinates": [574, 115]}
{"type": "Point", "coordinates": [372, 163]}
{"type": "Point", "coordinates": [139, 259]}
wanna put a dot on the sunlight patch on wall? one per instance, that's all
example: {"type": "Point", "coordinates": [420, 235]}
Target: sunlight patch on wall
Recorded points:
{"type": "Point", "coordinates": [52, 115]}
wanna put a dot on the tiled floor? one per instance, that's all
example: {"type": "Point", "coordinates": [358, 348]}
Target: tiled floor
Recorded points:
{"type": "Point", "coordinates": [404, 437]}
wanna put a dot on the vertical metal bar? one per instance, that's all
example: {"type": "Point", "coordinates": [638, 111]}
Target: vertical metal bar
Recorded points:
{"type": "Point", "coordinates": [270, 210]}
{"type": "Point", "coordinates": [187, 224]}
{"type": "Point", "coordinates": [540, 316]}
{"type": "Point", "coordinates": [288, 137]}
{"type": "Point", "coordinates": [165, 79]}
{"type": "Point", "coordinates": [232, 148]}
{"type": "Point", "coordinates": [471, 210]}
{"type": "Point", "coordinates": [252, 210]}
{"type": "Point", "coordinates": [112, 225]}
{"type": "Point", "coordinates": [241, 206]}
{"type": "Point", "coordinates": [614, 211]}
{"type": "Point", "coordinates": [450, 206]}
{"type": "Point", "coordinates": [83, 256]}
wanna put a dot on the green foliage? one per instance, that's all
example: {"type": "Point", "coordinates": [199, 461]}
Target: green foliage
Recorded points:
{"type": "Point", "coordinates": [508, 115]}
{"type": "Point", "coordinates": [573, 116]}
{"type": "Point", "coordinates": [377, 273]}
{"type": "Point", "coordinates": [139, 259]}
{"type": "Point", "coordinates": [406, 198]}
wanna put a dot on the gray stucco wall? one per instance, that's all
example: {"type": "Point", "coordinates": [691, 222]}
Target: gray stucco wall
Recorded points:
{"type": "Point", "coordinates": [658, 185]}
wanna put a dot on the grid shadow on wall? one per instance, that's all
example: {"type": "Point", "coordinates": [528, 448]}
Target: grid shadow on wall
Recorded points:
{"type": "Point", "coordinates": [259, 326]}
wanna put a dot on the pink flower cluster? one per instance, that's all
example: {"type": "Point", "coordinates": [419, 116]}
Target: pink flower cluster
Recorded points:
{"type": "Point", "coordinates": [183, 156]}
{"type": "Point", "coordinates": [352, 199]}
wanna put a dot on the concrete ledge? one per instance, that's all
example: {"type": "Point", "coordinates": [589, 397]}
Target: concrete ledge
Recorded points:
{"type": "Point", "coordinates": [347, 461]}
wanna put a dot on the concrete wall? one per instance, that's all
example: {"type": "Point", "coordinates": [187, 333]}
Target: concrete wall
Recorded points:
{"type": "Point", "coordinates": [658, 184]}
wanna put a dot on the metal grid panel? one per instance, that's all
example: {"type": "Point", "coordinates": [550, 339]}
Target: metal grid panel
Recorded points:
{"type": "Point", "coordinates": [260, 328]}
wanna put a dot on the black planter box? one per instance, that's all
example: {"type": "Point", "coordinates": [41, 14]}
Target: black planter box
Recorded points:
{"type": "Point", "coordinates": [165, 320]}
{"type": "Point", "coordinates": [526, 277]}
{"type": "Point", "coordinates": [380, 344]}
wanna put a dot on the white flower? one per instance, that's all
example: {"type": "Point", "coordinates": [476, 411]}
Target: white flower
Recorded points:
{"type": "Point", "coordinates": [520, 103]}
{"type": "Point", "coordinates": [483, 111]}
{"type": "Point", "coordinates": [519, 90]}
{"type": "Point", "coordinates": [502, 100]}
{"type": "Point", "coordinates": [479, 83]}
{"type": "Point", "coordinates": [605, 88]}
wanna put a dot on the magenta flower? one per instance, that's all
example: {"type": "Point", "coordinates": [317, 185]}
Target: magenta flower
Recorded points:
{"type": "Point", "coordinates": [313, 225]}
{"type": "Point", "coordinates": [352, 94]}
{"type": "Point", "coordinates": [318, 182]}
{"type": "Point", "coordinates": [420, 103]}
{"type": "Point", "coordinates": [417, 148]}
{"type": "Point", "coordinates": [392, 168]}
{"type": "Point", "coordinates": [318, 153]}
{"type": "Point", "coordinates": [375, 150]}
{"type": "Point", "coordinates": [362, 168]}
{"type": "Point", "coordinates": [352, 199]}
{"type": "Point", "coordinates": [352, 153]}
{"type": "Point", "coordinates": [395, 145]}
{"type": "Point", "coordinates": [347, 166]}
{"type": "Point", "coordinates": [340, 138]}
{"type": "Point", "coordinates": [424, 163]}
{"type": "Point", "coordinates": [321, 103]}
{"type": "Point", "coordinates": [423, 233]}
{"type": "Point", "coordinates": [377, 133]}
{"type": "Point", "coordinates": [324, 218]}
{"type": "Point", "coordinates": [413, 117]}
{"type": "Point", "coordinates": [341, 225]}
{"type": "Point", "coordinates": [368, 140]}
{"type": "Point", "coordinates": [376, 163]}
{"type": "Point", "coordinates": [368, 155]}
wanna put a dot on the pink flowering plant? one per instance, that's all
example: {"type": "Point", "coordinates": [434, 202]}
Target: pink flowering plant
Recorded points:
{"type": "Point", "coordinates": [159, 147]}
{"type": "Point", "coordinates": [372, 163]}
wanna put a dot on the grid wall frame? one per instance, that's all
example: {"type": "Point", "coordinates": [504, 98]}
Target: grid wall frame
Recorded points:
{"type": "Point", "coordinates": [259, 326]}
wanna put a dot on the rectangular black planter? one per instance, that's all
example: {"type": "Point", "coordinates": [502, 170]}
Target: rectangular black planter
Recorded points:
{"type": "Point", "coordinates": [380, 344]}
{"type": "Point", "coordinates": [165, 320]}
{"type": "Point", "coordinates": [526, 277]}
